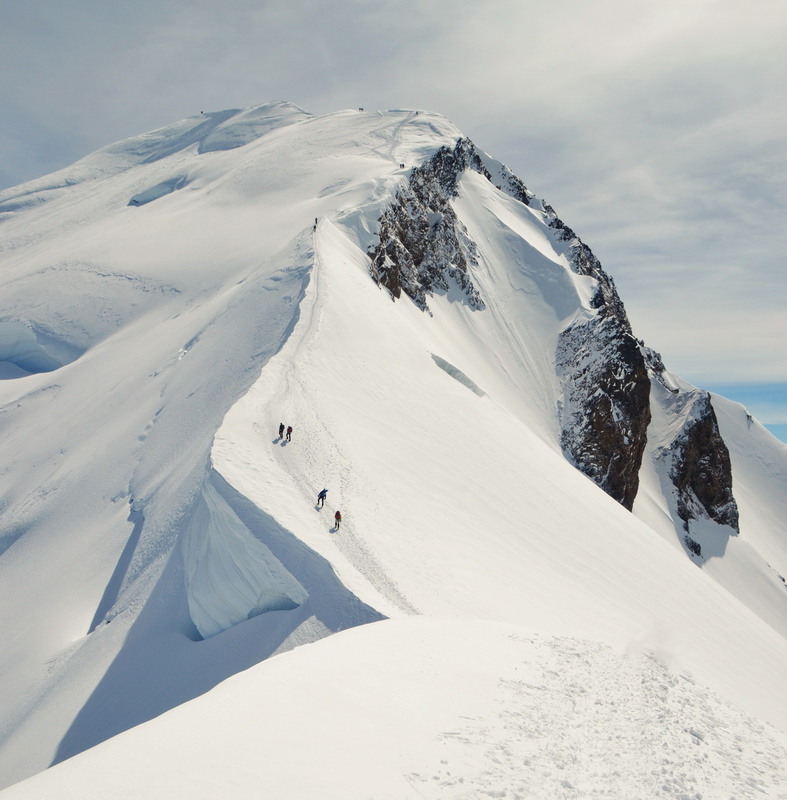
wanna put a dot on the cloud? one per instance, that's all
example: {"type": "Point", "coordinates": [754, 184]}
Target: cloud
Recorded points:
{"type": "Point", "coordinates": [655, 130]}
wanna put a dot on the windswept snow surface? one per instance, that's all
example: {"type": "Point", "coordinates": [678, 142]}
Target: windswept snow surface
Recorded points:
{"type": "Point", "coordinates": [438, 709]}
{"type": "Point", "coordinates": [159, 536]}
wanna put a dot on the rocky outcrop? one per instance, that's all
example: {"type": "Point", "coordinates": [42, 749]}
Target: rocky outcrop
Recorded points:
{"type": "Point", "coordinates": [605, 373]}
{"type": "Point", "coordinates": [423, 247]}
{"type": "Point", "coordinates": [605, 409]}
{"type": "Point", "coordinates": [698, 464]}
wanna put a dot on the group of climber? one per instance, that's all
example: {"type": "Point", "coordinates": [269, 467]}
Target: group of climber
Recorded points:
{"type": "Point", "coordinates": [321, 503]}
{"type": "Point", "coordinates": [323, 494]}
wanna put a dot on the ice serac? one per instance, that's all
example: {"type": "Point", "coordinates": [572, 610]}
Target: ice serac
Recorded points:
{"type": "Point", "coordinates": [230, 575]}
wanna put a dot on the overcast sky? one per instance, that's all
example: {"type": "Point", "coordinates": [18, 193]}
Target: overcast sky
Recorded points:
{"type": "Point", "coordinates": [658, 131]}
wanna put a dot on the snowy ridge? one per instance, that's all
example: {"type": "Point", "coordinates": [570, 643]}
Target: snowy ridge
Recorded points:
{"type": "Point", "coordinates": [216, 131]}
{"type": "Point", "coordinates": [165, 538]}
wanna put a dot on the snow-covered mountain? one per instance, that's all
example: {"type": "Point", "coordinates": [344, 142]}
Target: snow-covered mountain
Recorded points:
{"type": "Point", "coordinates": [561, 545]}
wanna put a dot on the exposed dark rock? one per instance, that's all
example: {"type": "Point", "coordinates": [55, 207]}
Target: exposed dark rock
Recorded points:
{"type": "Point", "coordinates": [605, 410]}
{"type": "Point", "coordinates": [700, 468]}
{"type": "Point", "coordinates": [423, 247]}
{"type": "Point", "coordinates": [692, 546]}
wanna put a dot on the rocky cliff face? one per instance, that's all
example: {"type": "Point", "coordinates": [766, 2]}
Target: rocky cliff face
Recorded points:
{"type": "Point", "coordinates": [605, 410]}
{"type": "Point", "coordinates": [696, 459]}
{"type": "Point", "coordinates": [701, 469]}
{"type": "Point", "coordinates": [424, 248]}
{"type": "Point", "coordinates": [605, 373]}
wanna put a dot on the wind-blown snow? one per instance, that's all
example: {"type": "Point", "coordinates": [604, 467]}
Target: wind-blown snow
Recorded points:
{"type": "Point", "coordinates": [487, 710]}
{"type": "Point", "coordinates": [159, 537]}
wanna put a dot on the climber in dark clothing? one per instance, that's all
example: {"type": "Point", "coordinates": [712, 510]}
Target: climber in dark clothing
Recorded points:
{"type": "Point", "coordinates": [289, 433]}
{"type": "Point", "coordinates": [321, 498]}
{"type": "Point", "coordinates": [338, 517]}
{"type": "Point", "coordinates": [281, 430]}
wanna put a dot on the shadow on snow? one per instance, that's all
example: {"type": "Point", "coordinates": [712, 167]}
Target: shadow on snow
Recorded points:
{"type": "Point", "coordinates": [163, 662]}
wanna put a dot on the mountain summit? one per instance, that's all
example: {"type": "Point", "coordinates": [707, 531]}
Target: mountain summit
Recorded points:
{"type": "Point", "coordinates": [511, 464]}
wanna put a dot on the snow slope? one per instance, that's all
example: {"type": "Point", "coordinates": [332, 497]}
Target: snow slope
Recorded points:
{"type": "Point", "coordinates": [158, 537]}
{"type": "Point", "coordinates": [523, 715]}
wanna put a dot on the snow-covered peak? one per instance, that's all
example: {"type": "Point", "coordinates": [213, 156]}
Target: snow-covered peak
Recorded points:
{"type": "Point", "coordinates": [169, 301]}
{"type": "Point", "coordinates": [205, 131]}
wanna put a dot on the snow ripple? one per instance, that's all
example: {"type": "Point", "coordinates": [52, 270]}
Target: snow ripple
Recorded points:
{"type": "Point", "coordinates": [585, 722]}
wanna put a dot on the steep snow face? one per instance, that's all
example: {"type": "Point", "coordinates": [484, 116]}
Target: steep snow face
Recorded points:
{"type": "Point", "coordinates": [424, 248]}
{"type": "Point", "coordinates": [197, 286]}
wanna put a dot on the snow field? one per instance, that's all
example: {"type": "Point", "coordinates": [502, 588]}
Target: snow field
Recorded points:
{"type": "Point", "coordinates": [483, 710]}
{"type": "Point", "coordinates": [159, 538]}
{"type": "Point", "coordinates": [539, 546]}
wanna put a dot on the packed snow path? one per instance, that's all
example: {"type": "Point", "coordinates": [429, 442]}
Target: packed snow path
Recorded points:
{"type": "Point", "coordinates": [425, 708]}
{"type": "Point", "coordinates": [281, 474]}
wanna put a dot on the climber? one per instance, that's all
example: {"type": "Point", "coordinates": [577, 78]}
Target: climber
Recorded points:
{"type": "Point", "coordinates": [289, 433]}
{"type": "Point", "coordinates": [281, 430]}
{"type": "Point", "coordinates": [321, 498]}
{"type": "Point", "coordinates": [338, 517]}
